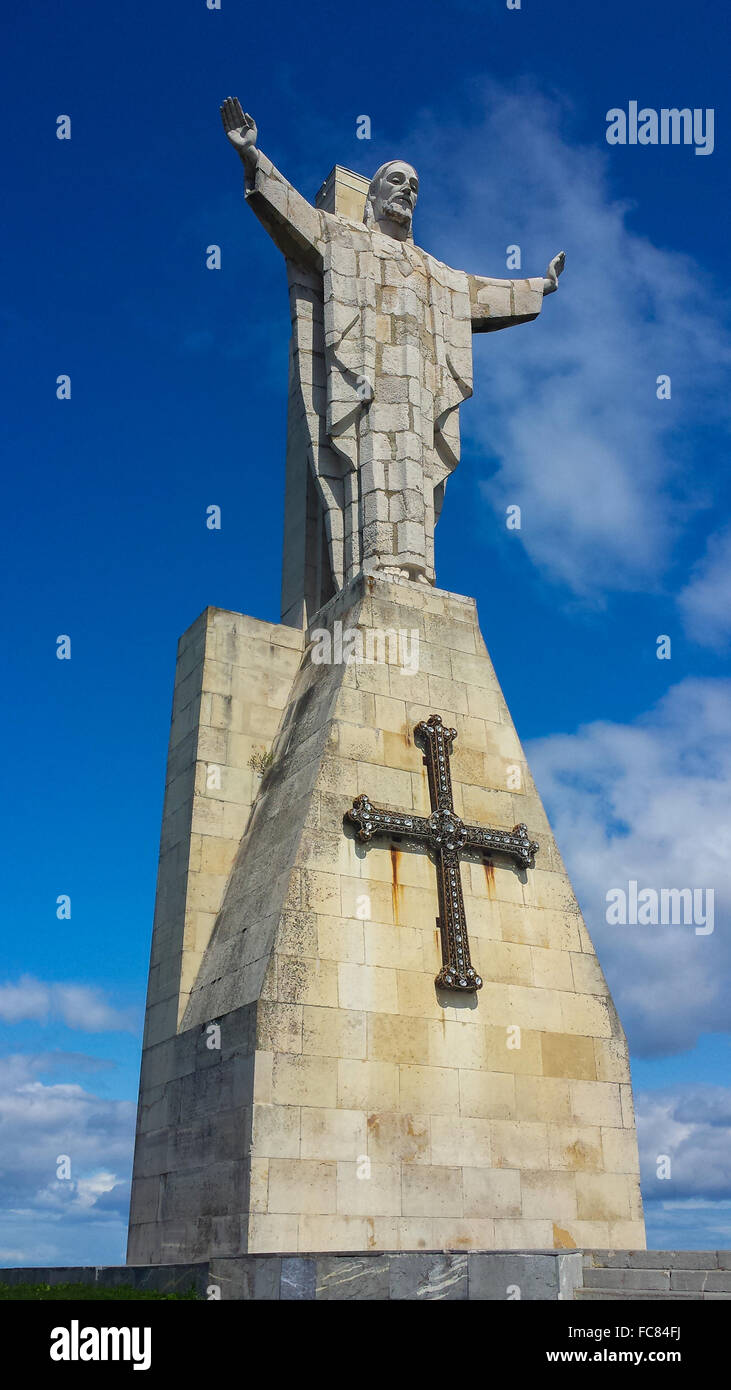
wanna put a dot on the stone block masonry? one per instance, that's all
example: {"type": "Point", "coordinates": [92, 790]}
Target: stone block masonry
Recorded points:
{"type": "Point", "coordinates": [423, 1276]}
{"type": "Point", "coordinates": [305, 1088]}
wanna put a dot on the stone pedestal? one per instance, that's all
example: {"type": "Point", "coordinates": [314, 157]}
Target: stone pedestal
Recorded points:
{"type": "Point", "coordinates": [304, 1087]}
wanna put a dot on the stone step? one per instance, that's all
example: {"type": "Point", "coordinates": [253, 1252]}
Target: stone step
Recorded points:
{"type": "Point", "coordinates": [643, 1295]}
{"type": "Point", "coordinates": [662, 1280]}
{"type": "Point", "coordinates": [658, 1259]}
{"type": "Point", "coordinates": [650, 1280]}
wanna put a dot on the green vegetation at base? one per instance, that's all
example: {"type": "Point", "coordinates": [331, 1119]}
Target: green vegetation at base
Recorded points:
{"type": "Point", "coordinates": [96, 1293]}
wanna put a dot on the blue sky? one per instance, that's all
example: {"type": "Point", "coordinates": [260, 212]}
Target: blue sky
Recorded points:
{"type": "Point", "coordinates": [178, 401]}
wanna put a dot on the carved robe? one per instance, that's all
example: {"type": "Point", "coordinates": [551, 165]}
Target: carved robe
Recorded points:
{"type": "Point", "coordinates": [380, 361]}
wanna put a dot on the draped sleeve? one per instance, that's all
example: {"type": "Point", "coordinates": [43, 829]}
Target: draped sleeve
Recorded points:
{"type": "Point", "coordinates": [501, 303]}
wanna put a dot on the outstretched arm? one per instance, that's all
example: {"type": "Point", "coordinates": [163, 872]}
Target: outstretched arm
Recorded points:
{"type": "Point", "coordinates": [502, 303]}
{"type": "Point", "coordinates": [293, 224]}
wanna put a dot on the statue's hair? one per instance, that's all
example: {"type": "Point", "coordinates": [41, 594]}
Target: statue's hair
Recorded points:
{"type": "Point", "coordinates": [368, 214]}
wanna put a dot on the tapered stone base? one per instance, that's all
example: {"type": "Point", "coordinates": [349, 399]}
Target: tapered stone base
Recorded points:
{"type": "Point", "coordinates": [305, 1087]}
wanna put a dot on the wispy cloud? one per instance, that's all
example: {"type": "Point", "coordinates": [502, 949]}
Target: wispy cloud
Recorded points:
{"type": "Point", "coordinates": [648, 801]}
{"type": "Point", "coordinates": [78, 1006]}
{"type": "Point", "coordinates": [566, 409]}
{"type": "Point", "coordinates": [705, 602]}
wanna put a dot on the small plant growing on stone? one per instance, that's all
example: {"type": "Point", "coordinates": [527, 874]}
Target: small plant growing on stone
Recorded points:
{"type": "Point", "coordinates": [261, 762]}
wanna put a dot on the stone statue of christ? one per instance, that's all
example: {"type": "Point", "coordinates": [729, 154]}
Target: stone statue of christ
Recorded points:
{"type": "Point", "coordinates": [380, 362]}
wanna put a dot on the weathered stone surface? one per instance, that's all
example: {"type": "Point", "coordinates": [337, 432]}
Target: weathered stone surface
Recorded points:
{"type": "Point", "coordinates": [706, 1281]}
{"type": "Point", "coordinates": [429, 1275]}
{"type": "Point", "coordinates": [671, 1259]}
{"type": "Point", "coordinates": [646, 1279]}
{"type": "Point", "coordinates": [347, 1279]}
{"type": "Point", "coordinates": [655, 1274]}
{"type": "Point", "coordinates": [512, 1276]}
{"type": "Point", "coordinates": [252, 1279]}
{"type": "Point", "coordinates": [298, 1279]}
{"type": "Point", "coordinates": [306, 1087]}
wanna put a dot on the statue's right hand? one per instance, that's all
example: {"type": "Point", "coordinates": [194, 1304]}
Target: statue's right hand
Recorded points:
{"type": "Point", "coordinates": [240, 128]}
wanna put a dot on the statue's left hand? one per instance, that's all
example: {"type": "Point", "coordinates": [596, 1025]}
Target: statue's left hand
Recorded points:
{"type": "Point", "coordinates": [555, 268]}
{"type": "Point", "coordinates": [240, 129]}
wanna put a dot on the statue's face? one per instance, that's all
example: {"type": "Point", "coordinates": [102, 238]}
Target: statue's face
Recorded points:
{"type": "Point", "coordinates": [397, 193]}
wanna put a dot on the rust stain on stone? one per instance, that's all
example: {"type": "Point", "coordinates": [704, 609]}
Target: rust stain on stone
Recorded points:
{"type": "Point", "coordinates": [395, 856]}
{"type": "Point", "coordinates": [562, 1240]}
{"type": "Point", "coordinates": [489, 878]}
{"type": "Point", "coordinates": [371, 1236]}
{"type": "Point", "coordinates": [577, 1155]}
{"type": "Point", "coordinates": [406, 735]}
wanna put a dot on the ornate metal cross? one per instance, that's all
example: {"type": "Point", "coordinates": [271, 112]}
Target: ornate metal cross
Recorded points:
{"type": "Point", "coordinates": [447, 835]}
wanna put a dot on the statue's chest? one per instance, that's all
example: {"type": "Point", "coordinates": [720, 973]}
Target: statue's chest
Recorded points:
{"type": "Point", "coordinates": [402, 298]}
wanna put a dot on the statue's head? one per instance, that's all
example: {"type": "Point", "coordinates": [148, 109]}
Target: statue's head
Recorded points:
{"type": "Point", "coordinates": [391, 199]}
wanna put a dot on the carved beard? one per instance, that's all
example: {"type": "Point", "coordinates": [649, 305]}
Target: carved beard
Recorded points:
{"type": "Point", "coordinates": [398, 209]}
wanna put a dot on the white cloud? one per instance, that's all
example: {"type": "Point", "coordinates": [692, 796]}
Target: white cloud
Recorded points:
{"type": "Point", "coordinates": [689, 1225]}
{"type": "Point", "coordinates": [78, 1006]}
{"type": "Point", "coordinates": [705, 602]}
{"type": "Point", "coordinates": [649, 802]}
{"type": "Point", "coordinates": [692, 1126]}
{"type": "Point", "coordinates": [567, 406]}
{"type": "Point", "coordinates": [28, 999]}
{"type": "Point", "coordinates": [47, 1220]}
